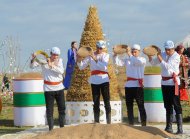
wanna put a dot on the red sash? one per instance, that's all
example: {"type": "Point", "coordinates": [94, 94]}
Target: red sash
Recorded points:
{"type": "Point", "coordinates": [175, 82]}
{"type": "Point", "coordinates": [51, 83]}
{"type": "Point", "coordinates": [133, 79]}
{"type": "Point", "coordinates": [97, 72]}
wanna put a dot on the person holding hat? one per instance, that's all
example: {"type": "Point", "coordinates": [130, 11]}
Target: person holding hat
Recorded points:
{"type": "Point", "coordinates": [169, 62]}
{"type": "Point", "coordinates": [135, 65]}
{"type": "Point", "coordinates": [183, 68]}
{"type": "Point", "coordinates": [53, 77]}
{"type": "Point", "coordinates": [99, 79]}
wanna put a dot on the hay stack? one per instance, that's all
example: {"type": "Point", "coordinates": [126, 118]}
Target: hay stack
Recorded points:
{"type": "Point", "coordinates": [29, 75]}
{"type": "Point", "coordinates": [80, 89]}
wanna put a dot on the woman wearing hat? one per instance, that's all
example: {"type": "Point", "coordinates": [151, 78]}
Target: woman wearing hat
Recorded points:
{"type": "Point", "coordinates": [183, 68]}
{"type": "Point", "coordinates": [134, 85]}
{"type": "Point", "coordinates": [53, 86]}
{"type": "Point", "coordinates": [99, 79]}
{"type": "Point", "coordinates": [169, 62]}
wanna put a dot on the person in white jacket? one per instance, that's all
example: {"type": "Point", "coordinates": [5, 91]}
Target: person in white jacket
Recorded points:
{"type": "Point", "coordinates": [134, 85]}
{"type": "Point", "coordinates": [169, 61]}
{"type": "Point", "coordinates": [99, 79]}
{"type": "Point", "coordinates": [53, 77]}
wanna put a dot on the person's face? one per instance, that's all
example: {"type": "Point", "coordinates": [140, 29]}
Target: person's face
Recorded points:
{"type": "Point", "coordinates": [74, 45]}
{"type": "Point", "coordinates": [135, 52]}
{"type": "Point", "coordinates": [99, 50]}
{"type": "Point", "coordinates": [169, 51]}
{"type": "Point", "coordinates": [54, 56]}
{"type": "Point", "coordinates": [181, 51]}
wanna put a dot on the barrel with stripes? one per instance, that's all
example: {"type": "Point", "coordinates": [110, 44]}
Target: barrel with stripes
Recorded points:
{"type": "Point", "coordinates": [153, 98]}
{"type": "Point", "coordinates": [29, 102]}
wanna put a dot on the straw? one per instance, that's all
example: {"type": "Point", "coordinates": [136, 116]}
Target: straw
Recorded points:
{"type": "Point", "coordinates": [84, 51]}
{"type": "Point", "coordinates": [120, 49]}
{"type": "Point", "coordinates": [151, 50]}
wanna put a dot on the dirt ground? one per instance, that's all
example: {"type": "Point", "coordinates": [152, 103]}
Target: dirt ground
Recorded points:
{"type": "Point", "coordinates": [97, 131]}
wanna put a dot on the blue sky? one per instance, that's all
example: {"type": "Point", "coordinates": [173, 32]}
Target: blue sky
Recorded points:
{"type": "Point", "coordinates": [42, 24]}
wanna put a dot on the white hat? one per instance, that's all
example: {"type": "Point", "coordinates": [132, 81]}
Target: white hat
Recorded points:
{"type": "Point", "coordinates": [55, 50]}
{"type": "Point", "coordinates": [169, 44]}
{"type": "Point", "coordinates": [101, 44]}
{"type": "Point", "coordinates": [136, 47]}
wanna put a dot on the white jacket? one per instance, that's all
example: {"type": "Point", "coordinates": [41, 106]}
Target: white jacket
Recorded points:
{"type": "Point", "coordinates": [54, 74]}
{"type": "Point", "coordinates": [101, 65]}
{"type": "Point", "coordinates": [134, 68]}
{"type": "Point", "coordinates": [169, 65]}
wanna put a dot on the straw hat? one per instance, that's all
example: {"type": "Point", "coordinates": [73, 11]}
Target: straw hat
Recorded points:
{"type": "Point", "coordinates": [120, 49]}
{"type": "Point", "coordinates": [84, 51]}
{"type": "Point", "coordinates": [41, 57]}
{"type": "Point", "coordinates": [151, 50]}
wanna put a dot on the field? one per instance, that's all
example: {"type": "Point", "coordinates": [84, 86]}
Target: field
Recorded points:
{"type": "Point", "coordinates": [6, 116]}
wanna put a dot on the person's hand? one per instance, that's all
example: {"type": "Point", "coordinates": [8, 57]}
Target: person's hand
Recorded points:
{"type": "Point", "coordinates": [50, 64]}
{"type": "Point", "coordinates": [159, 54]}
{"type": "Point", "coordinates": [159, 57]}
{"type": "Point", "coordinates": [157, 49]}
{"type": "Point", "coordinates": [114, 53]}
{"type": "Point", "coordinates": [149, 58]}
{"type": "Point", "coordinates": [33, 57]}
{"type": "Point", "coordinates": [128, 51]}
{"type": "Point", "coordinates": [79, 58]}
{"type": "Point", "coordinates": [94, 57]}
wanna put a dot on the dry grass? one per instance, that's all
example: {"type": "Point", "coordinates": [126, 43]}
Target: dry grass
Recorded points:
{"type": "Point", "coordinates": [28, 75]}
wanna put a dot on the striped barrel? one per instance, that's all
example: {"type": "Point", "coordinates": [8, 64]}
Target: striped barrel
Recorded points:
{"type": "Point", "coordinates": [153, 98]}
{"type": "Point", "coordinates": [29, 102]}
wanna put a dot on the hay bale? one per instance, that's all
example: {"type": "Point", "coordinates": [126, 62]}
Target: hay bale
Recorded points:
{"type": "Point", "coordinates": [29, 75]}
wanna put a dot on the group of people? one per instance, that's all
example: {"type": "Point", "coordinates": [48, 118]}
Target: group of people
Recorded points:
{"type": "Point", "coordinates": [172, 65]}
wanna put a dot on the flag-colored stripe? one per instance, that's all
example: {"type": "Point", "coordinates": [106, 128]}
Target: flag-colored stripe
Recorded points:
{"type": "Point", "coordinates": [28, 99]}
{"type": "Point", "coordinates": [153, 95]}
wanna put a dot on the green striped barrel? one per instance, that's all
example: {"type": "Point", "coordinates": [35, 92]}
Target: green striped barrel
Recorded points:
{"type": "Point", "coordinates": [29, 102]}
{"type": "Point", "coordinates": [153, 98]}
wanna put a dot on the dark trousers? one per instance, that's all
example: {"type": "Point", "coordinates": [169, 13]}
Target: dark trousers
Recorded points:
{"type": "Point", "coordinates": [136, 93]}
{"type": "Point", "coordinates": [171, 100]}
{"type": "Point", "coordinates": [60, 100]}
{"type": "Point", "coordinates": [104, 90]}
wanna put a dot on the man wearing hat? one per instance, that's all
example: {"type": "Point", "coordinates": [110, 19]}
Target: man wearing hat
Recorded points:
{"type": "Point", "coordinates": [169, 62]}
{"type": "Point", "coordinates": [134, 85]}
{"type": "Point", "coordinates": [53, 77]}
{"type": "Point", "coordinates": [99, 79]}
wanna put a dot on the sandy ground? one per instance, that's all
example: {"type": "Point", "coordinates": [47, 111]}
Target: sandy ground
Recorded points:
{"type": "Point", "coordinates": [99, 131]}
